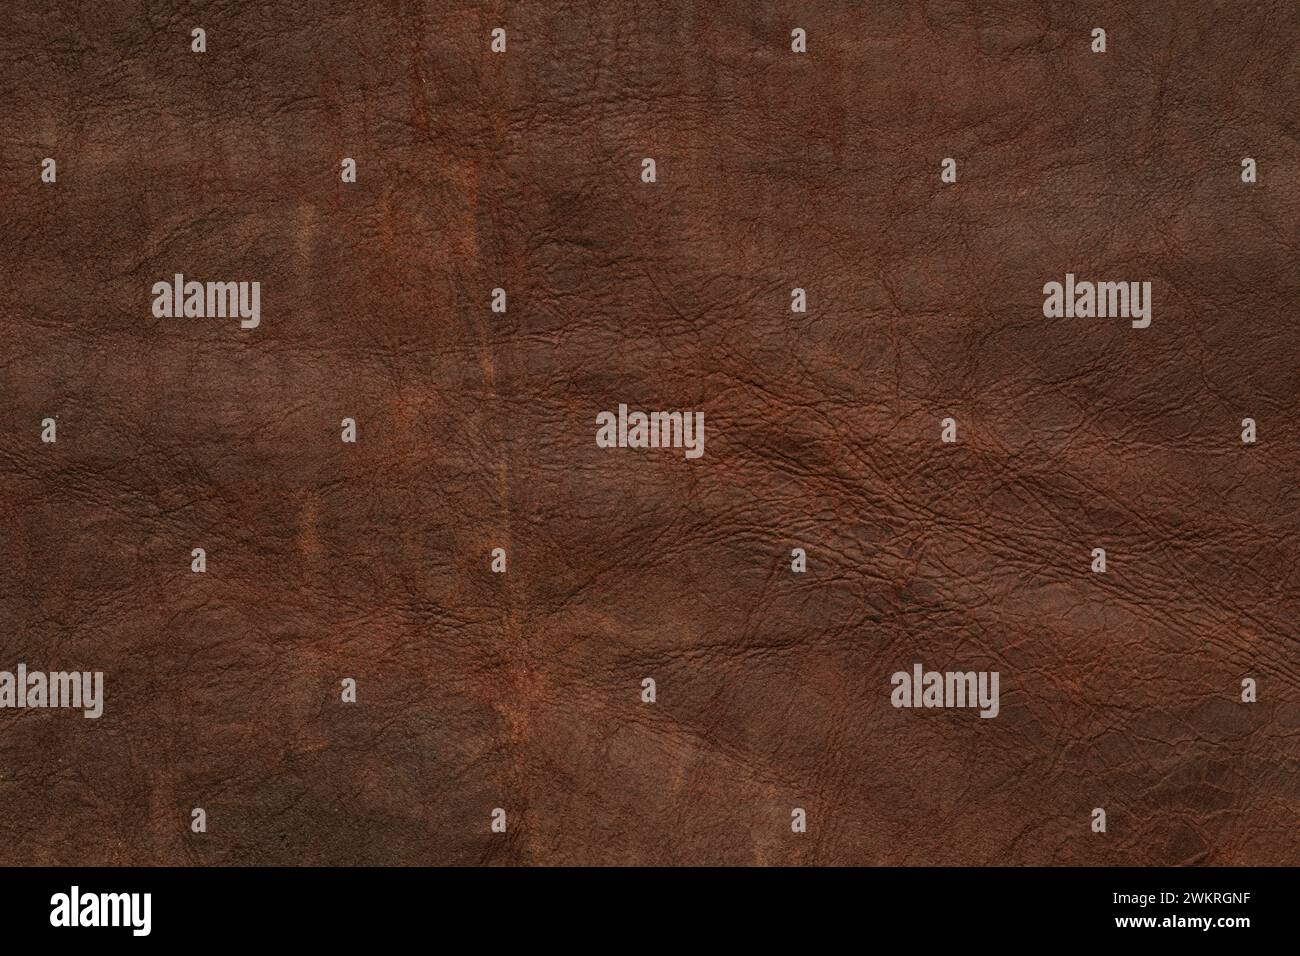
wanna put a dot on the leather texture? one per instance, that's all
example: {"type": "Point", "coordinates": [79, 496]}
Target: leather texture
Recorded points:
{"type": "Point", "coordinates": [476, 430]}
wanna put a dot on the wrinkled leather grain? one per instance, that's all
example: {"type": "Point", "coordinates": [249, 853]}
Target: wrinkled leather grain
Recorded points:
{"type": "Point", "coordinates": [476, 430]}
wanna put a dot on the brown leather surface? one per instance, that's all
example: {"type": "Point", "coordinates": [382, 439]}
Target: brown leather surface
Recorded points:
{"type": "Point", "coordinates": [476, 430]}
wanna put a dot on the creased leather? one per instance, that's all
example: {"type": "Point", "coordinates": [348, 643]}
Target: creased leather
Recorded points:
{"type": "Point", "coordinates": [476, 430]}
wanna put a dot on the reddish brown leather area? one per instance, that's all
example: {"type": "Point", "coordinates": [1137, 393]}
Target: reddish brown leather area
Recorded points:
{"type": "Point", "coordinates": [522, 690]}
